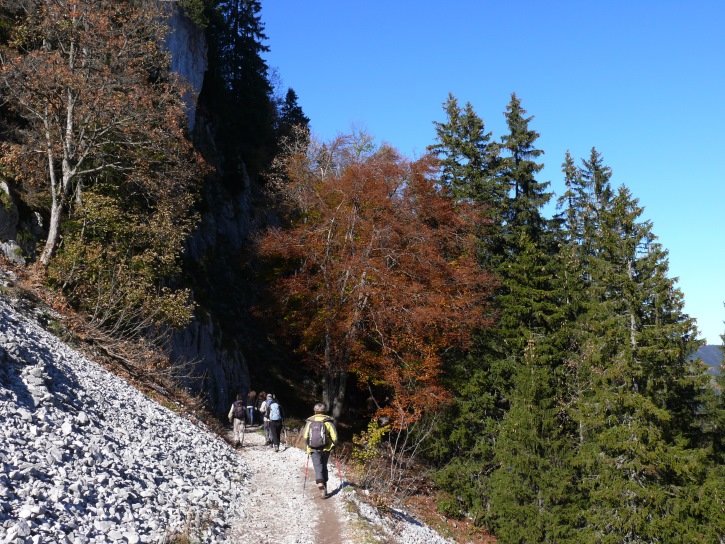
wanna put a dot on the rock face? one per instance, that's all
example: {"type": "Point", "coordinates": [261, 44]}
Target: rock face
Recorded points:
{"type": "Point", "coordinates": [218, 372]}
{"type": "Point", "coordinates": [215, 366]}
{"type": "Point", "coordinates": [223, 233]}
{"type": "Point", "coordinates": [187, 45]}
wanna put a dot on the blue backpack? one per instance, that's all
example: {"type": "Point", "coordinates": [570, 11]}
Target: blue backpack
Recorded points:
{"type": "Point", "coordinates": [275, 411]}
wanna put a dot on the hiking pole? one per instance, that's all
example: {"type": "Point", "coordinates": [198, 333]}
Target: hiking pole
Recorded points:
{"type": "Point", "coordinates": [307, 466]}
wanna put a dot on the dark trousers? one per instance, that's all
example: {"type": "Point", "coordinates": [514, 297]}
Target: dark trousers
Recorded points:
{"type": "Point", "coordinates": [319, 463]}
{"type": "Point", "coordinates": [274, 427]}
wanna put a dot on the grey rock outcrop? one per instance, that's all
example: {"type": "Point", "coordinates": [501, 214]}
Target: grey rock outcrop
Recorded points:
{"type": "Point", "coordinates": [219, 372]}
{"type": "Point", "coordinates": [209, 363]}
{"type": "Point", "coordinates": [188, 48]}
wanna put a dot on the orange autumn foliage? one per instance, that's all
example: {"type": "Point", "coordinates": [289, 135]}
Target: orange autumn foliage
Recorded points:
{"type": "Point", "coordinates": [378, 271]}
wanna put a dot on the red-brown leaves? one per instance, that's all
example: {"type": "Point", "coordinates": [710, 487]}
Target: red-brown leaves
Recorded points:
{"type": "Point", "coordinates": [383, 263]}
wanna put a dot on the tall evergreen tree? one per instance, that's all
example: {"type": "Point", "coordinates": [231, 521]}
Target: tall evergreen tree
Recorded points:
{"type": "Point", "coordinates": [290, 115]}
{"type": "Point", "coordinates": [468, 157]}
{"type": "Point", "coordinates": [518, 172]}
{"type": "Point", "coordinates": [718, 414]}
{"type": "Point", "coordinates": [532, 498]}
{"type": "Point", "coordinates": [634, 396]}
{"type": "Point", "coordinates": [241, 86]}
{"type": "Point", "coordinates": [519, 248]}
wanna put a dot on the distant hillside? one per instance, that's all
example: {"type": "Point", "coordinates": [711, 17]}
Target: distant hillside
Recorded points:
{"type": "Point", "coordinates": [711, 355]}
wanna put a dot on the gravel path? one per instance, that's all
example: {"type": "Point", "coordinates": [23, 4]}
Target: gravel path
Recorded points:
{"type": "Point", "coordinates": [282, 509]}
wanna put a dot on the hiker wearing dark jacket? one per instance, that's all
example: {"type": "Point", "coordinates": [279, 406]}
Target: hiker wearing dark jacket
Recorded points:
{"type": "Point", "coordinates": [274, 414]}
{"type": "Point", "coordinates": [320, 436]}
{"type": "Point", "coordinates": [236, 414]}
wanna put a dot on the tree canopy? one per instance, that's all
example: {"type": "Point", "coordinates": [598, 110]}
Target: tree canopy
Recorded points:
{"type": "Point", "coordinates": [378, 271]}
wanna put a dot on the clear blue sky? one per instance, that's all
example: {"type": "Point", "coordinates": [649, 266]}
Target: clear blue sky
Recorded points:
{"type": "Point", "coordinates": [642, 81]}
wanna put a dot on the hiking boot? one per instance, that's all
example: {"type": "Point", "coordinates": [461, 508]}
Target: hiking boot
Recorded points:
{"type": "Point", "coordinates": [276, 448]}
{"type": "Point", "coordinates": [323, 490]}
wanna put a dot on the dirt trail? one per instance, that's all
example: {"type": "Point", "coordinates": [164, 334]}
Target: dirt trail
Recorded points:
{"type": "Point", "coordinates": [281, 508]}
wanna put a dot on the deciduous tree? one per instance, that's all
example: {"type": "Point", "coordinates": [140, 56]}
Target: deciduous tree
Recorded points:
{"type": "Point", "coordinates": [92, 84]}
{"type": "Point", "coordinates": [377, 270]}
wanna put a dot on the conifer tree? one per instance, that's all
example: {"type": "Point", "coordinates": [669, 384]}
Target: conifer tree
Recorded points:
{"type": "Point", "coordinates": [468, 157]}
{"type": "Point", "coordinates": [718, 414]}
{"type": "Point", "coordinates": [519, 248]}
{"type": "Point", "coordinates": [634, 396]}
{"type": "Point", "coordinates": [532, 498]}
{"type": "Point", "coordinates": [240, 82]}
{"type": "Point", "coordinates": [290, 115]}
{"type": "Point", "coordinates": [463, 443]}
{"type": "Point", "coordinates": [518, 172]}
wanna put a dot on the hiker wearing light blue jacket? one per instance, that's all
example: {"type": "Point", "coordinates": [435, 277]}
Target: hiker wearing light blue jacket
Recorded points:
{"type": "Point", "coordinates": [274, 414]}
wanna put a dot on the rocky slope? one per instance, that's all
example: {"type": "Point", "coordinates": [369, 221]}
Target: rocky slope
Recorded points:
{"type": "Point", "coordinates": [87, 458]}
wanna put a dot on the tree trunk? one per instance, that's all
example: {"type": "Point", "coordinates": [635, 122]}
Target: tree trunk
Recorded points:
{"type": "Point", "coordinates": [51, 242]}
{"type": "Point", "coordinates": [334, 381]}
{"type": "Point", "coordinates": [334, 385]}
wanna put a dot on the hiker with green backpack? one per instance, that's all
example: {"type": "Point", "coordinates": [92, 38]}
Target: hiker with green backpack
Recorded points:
{"type": "Point", "coordinates": [320, 436]}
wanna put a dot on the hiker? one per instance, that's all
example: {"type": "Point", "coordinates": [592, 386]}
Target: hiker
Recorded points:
{"type": "Point", "coordinates": [274, 413]}
{"type": "Point", "coordinates": [263, 403]}
{"type": "Point", "coordinates": [320, 436]}
{"type": "Point", "coordinates": [236, 413]}
{"type": "Point", "coordinates": [251, 400]}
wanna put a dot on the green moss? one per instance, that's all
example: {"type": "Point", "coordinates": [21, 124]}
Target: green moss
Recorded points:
{"type": "Point", "coordinates": [5, 200]}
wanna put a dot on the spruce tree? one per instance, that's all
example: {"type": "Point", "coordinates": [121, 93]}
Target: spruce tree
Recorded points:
{"type": "Point", "coordinates": [633, 394]}
{"type": "Point", "coordinates": [468, 157]}
{"type": "Point", "coordinates": [463, 443]}
{"type": "Point", "coordinates": [518, 171]}
{"type": "Point", "coordinates": [532, 487]}
{"type": "Point", "coordinates": [290, 115]}
{"type": "Point", "coordinates": [240, 85]}
{"type": "Point", "coordinates": [718, 414]}
{"type": "Point", "coordinates": [519, 248]}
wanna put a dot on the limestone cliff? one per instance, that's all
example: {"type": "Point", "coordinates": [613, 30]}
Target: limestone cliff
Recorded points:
{"type": "Point", "coordinates": [209, 348]}
{"type": "Point", "coordinates": [188, 48]}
